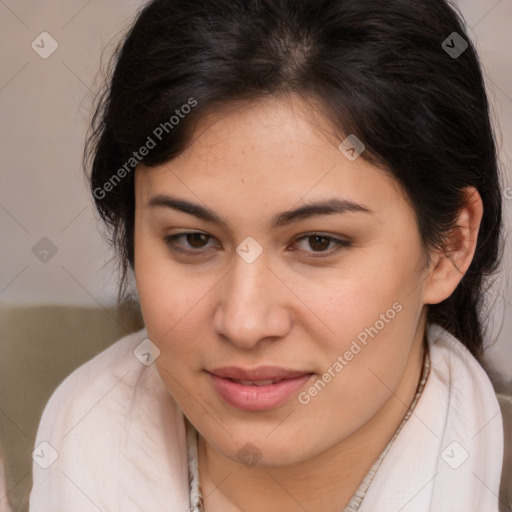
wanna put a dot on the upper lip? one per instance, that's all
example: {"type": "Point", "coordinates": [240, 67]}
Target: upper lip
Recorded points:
{"type": "Point", "coordinates": [255, 374]}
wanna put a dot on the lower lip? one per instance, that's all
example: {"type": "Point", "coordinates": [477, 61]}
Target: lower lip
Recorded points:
{"type": "Point", "coordinates": [257, 398]}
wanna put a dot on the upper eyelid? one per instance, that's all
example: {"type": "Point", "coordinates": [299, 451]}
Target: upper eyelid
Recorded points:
{"type": "Point", "coordinates": [298, 237]}
{"type": "Point", "coordinates": [333, 238]}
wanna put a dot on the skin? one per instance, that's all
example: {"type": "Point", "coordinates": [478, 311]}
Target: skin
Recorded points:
{"type": "Point", "coordinates": [287, 308]}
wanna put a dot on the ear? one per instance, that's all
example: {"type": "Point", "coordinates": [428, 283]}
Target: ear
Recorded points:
{"type": "Point", "coordinates": [448, 267]}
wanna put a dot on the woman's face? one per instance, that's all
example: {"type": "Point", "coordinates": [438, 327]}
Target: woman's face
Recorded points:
{"type": "Point", "coordinates": [332, 302]}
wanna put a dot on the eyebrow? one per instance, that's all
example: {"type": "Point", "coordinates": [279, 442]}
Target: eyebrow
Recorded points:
{"type": "Point", "coordinates": [326, 207]}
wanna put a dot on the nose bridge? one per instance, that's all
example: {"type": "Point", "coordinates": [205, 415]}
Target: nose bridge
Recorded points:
{"type": "Point", "coordinates": [248, 287]}
{"type": "Point", "coordinates": [249, 279]}
{"type": "Point", "coordinates": [249, 305]}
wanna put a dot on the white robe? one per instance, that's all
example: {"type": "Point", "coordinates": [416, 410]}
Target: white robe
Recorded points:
{"type": "Point", "coordinates": [112, 439]}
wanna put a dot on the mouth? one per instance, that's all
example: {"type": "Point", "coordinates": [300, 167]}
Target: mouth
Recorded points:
{"type": "Point", "coordinates": [259, 389]}
{"type": "Point", "coordinates": [256, 382]}
{"type": "Point", "coordinates": [261, 373]}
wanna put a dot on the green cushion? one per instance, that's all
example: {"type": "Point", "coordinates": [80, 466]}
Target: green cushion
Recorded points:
{"type": "Point", "coordinates": [40, 347]}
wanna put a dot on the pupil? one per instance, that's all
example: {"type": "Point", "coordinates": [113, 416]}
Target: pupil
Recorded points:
{"type": "Point", "coordinates": [196, 237]}
{"type": "Point", "coordinates": [316, 238]}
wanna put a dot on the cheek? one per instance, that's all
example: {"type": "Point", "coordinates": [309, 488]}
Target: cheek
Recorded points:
{"type": "Point", "coordinates": [173, 313]}
{"type": "Point", "coordinates": [166, 294]}
{"type": "Point", "coordinates": [174, 303]}
{"type": "Point", "coordinates": [351, 298]}
{"type": "Point", "coordinates": [365, 362]}
{"type": "Point", "coordinates": [171, 317]}
{"type": "Point", "coordinates": [369, 315]}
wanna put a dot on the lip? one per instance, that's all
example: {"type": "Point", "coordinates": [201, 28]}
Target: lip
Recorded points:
{"type": "Point", "coordinates": [254, 397]}
{"type": "Point", "coordinates": [260, 373]}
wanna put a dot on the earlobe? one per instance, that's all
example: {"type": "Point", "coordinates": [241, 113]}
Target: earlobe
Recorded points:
{"type": "Point", "coordinates": [448, 266]}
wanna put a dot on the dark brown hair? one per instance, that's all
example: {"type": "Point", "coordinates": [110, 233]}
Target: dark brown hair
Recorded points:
{"type": "Point", "coordinates": [384, 71]}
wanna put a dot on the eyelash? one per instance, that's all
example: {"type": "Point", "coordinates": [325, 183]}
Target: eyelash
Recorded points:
{"type": "Point", "coordinates": [170, 241]}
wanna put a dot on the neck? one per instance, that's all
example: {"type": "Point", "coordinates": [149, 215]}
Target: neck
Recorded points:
{"type": "Point", "coordinates": [229, 486]}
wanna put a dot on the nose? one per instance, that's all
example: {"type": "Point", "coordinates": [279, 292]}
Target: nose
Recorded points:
{"type": "Point", "coordinates": [252, 305]}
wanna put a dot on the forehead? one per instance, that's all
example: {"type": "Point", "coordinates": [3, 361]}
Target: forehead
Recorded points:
{"type": "Point", "coordinates": [277, 150]}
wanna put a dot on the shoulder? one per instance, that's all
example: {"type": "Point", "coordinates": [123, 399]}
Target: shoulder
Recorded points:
{"type": "Point", "coordinates": [460, 375]}
{"type": "Point", "coordinates": [115, 370]}
{"type": "Point", "coordinates": [110, 432]}
{"type": "Point", "coordinates": [450, 354]}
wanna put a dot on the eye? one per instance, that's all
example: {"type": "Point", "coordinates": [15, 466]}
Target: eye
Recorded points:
{"type": "Point", "coordinates": [321, 242]}
{"type": "Point", "coordinates": [195, 240]}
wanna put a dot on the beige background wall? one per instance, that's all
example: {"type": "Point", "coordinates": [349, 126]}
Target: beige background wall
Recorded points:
{"type": "Point", "coordinates": [44, 109]}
